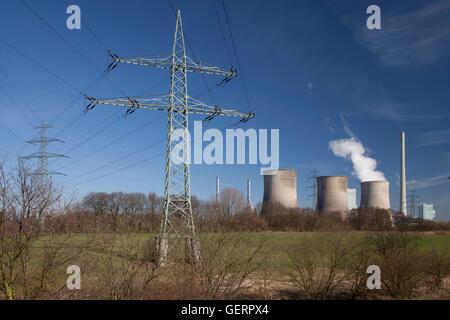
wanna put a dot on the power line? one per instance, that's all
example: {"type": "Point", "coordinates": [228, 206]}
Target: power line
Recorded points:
{"type": "Point", "coordinates": [222, 31]}
{"type": "Point", "coordinates": [100, 130]}
{"type": "Point", "coordinates": [118, 170]}
{"type": "Point", "coordinates": [78, 52]}
{"type": "Point", "coordinates": [118, 160]}
{"type": "Point", "coordinates": [13, 85]}
{"type": "Point", "coordinates": [18, 109]}
{"type": "Point", "coordinates": [79, 95]}
{"type": "Point", "coordinates": [82, 114]}
{"type": "Point", "coordinates": [41, 66]}
{"type": "Point", "coordinates": [154, 144]}
{"type": "Point", "coordinates": [83, 22]}
{"type": "Point", "coordinates": [112, 142]}
{"type": "Point", "coordinates": [10, 130]}
{"type": "Point", "coordinates": [57, 77]}
{"type": "Point", "coordinates": [236, 54]}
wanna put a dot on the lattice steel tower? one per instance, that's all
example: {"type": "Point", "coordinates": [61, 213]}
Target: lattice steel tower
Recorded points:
{"type": "Point", "coordinates": [313, 188]}
{"type": "Point", "coordinates": [43, 155]}
{"type": "Point", "coordinates": [177, 216]}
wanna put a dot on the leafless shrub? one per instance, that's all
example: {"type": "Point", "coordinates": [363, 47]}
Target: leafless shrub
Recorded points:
{"type": "Point", "coordinates": [403, 265]}
{"type": "Point", "coordinates": [227, 261]}
{"type": "Point", "coordinates": [319, 264]}
{"type": "Point", "coordinates": [357, 265]}
{"type": "Point", "coordinates": [438, 269]}
{"type": "Point", "coordinates": [122, 266]}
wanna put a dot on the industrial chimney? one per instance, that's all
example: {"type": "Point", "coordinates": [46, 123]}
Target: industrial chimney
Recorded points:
{"type": "Point", "coordinates": [375, 194]}
{"type": "Point", "coordinates": [280, 186]}
{"type": "Point", "coordinates": [217, 188]}
{"type": "Point", "coordinates": [332, 194]}
{"type": "Point", "coordinates": [249, 196]}
{"type": "Point", "coordinates": [403, 204]}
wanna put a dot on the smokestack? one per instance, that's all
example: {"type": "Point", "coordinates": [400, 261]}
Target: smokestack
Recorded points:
{"type": "Point", "coordinates": [403, 204]}
{"type": "Point", "coordinates": [249, 198]}
{"type": "Point", "coordinates": [217, 188]}
{"type": "Point", "coordinates": [375, 194]}
{"type": "Point", "coordinates": [280, 186]}
{"type": "Point", "coordinates": [332, 194]}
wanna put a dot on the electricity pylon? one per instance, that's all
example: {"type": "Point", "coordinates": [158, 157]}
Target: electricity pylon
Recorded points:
{"type": "Point", "coordinates": [177, 216]}
{"type": "Point", "coordinates": [42, 155]}
{"type": "Point", "coordinates": [413, 203]}
{"type": "Point", "coordinates": [313, 187]}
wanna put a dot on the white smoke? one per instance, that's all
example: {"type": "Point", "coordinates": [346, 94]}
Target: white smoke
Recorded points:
{"type": "Point", "coordinates": [352, 149]}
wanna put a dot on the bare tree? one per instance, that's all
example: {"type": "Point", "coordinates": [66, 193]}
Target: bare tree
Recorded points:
{"type": "Point", "coordinates": [97, 202]}
{"type": "Point", "coordinates": [231, 202]}
{"type": "Point", "coordinates": [27, 201]}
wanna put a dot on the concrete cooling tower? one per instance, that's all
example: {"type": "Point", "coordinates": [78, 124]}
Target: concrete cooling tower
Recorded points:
{"type": "Point", "coordinates": [332, 194]}
{"type": "Point", "coordinates": [375, 194]}
{"type": "Point", "coordinates": [280, 186]}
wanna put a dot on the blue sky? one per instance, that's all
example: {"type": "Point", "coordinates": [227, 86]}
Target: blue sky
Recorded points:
{"type": "Point", "coordinates": [307, 65]}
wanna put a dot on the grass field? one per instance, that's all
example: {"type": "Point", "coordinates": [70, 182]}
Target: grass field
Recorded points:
{"type": "Point", "coordinates": [115, 266]}
{"type": "Point", "coordinates": [275, 245]}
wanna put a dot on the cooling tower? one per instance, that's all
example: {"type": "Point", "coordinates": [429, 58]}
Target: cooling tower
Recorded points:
{"type": "Point", "coordinates": [280, 186]}
{"type": "Point", "coordinates": [375, 194]}
{"type": "Point", "coordinates": [332, 194]}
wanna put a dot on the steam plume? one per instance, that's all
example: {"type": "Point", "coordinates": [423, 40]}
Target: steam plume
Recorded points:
{"type": "Point", "coordinates": [352, 149]}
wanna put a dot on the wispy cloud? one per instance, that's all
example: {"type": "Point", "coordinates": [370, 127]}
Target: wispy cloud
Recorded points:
{"type": "Point", "coordinates": [346, 127]}
{"type": "Point", "coordinates": [428, 182]}
{"type": "Point", "coordinates": [329, 125]}
{"type": "Point", "coordinates": [393, 111]}
{"type": "Point", "coordinates": [433, 138]}
{"type": "Point", "coordinates": [417, 37]}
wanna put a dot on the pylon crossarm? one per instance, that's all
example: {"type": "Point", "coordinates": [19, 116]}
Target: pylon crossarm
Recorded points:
{"type": "Point", "coordinates": [198, 107]}
{"type": "Point", "coordinates": [45, 140]}
{"type": "Point", "coordinates": [163, 63]}
{"type": "Point", "coordinates": [159, 103]}
{"type": "Point", "coordinates": [47, 173]}
{"type": "Point", "coordinates": [194, 66]}
{"type": "Point", "coordinates": [166, 63]}
{"type": "Point", "coordinates": [162, 104]}
{"type": "Point", "coordinates": [43, 155]}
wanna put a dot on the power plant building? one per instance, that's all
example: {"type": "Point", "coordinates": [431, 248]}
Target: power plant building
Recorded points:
{"type": "Point", "coordinates": [375, 194]}
{"type": "Point", "coordinates": [332, 194]}
{"type": "Point", "coordinates": [426, 211]}
{"type": "Point", "coordinates": [280, 187]}
{"type": "Point", "coordinates": [351, 199]}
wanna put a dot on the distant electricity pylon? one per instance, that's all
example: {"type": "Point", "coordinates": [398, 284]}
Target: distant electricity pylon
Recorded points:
{"type": "Point", "coordinates": [313, 188]}
{"type": "Point", "coordinates": [177, 216]}
{"type": "Point", "coordinates": [413, 198]}
{"type": "Point", "coordinates": [43, 155]}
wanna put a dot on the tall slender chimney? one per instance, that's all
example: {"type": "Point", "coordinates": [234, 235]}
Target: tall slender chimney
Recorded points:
{"type": "Point", "coordinates": [249, 197]}
{"type": "Point", "coordinates": [403, 204]}
{"type": "Point", "coordinates": [217, 188]}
